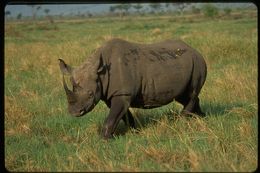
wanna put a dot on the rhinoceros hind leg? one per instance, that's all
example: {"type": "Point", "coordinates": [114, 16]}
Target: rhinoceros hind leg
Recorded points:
{"type": "Point", "coordinates": [197, 110]}
{"type": "Point", "coordinates": [185, 101]}
{"type": "Point", "coordinates": [190, 105]}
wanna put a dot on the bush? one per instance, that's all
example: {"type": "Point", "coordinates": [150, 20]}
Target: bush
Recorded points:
{"type": "Point", "coordinates": [195, 10]}
{"type": "Point", "coordinates": [210, 10]}
{"type": "Point", "coordinates": [227, 11]}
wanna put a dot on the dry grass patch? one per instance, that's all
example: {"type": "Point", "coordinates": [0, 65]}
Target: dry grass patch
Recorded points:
{"type": "Point", "coordinates": [17, 119]}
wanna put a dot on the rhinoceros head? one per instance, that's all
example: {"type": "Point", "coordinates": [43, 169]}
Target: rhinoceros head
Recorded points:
{"type": "Point", "coordinates": [85, 91]}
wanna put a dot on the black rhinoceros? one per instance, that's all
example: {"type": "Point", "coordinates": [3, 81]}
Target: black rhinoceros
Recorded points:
{"type": "Point", "coordinates": [125, 75]}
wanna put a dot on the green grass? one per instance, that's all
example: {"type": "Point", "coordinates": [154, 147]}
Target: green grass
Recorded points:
{"type": "Point", "coordinates": [40, 135]}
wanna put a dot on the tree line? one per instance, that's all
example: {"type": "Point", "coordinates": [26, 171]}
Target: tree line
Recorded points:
{"type": "Point", "coordinates": [208, 9]}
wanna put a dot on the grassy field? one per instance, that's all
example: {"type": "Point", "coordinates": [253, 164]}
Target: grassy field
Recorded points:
{"type": "Point", "coordinates": [40, 135]}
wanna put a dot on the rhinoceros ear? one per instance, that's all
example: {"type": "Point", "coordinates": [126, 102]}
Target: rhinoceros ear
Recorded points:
{"type": "Point", "coordinates": [65, 69]}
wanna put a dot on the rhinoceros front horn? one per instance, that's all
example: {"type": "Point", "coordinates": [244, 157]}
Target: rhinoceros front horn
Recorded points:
{"type": "Point", "coordinates": [66, 70]}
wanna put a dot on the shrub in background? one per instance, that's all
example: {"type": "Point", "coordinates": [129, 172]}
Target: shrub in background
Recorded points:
{"type": "Point", "coordinates": [227, 11]}
{"type": "Point", "coordinates": [210, 10]}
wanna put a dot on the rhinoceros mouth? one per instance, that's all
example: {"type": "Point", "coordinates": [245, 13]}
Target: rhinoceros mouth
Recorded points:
{"type": "Point", "coordinates": [82, 112]}
{"type": "Point", "coordinates": [78, 113]}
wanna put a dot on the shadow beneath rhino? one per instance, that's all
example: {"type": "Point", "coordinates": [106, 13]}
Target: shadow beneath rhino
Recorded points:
{"type": "Point", "coordinates": [219, 109]}
{"type": "Point", "coordinates": [211, 109]}
{"type": "Point", "coordinates": [145, 118]}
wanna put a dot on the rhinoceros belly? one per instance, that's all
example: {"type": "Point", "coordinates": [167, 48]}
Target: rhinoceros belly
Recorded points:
{"type": "Point", "coordinates": [160, 91]}
{"type": "Point", "coordinates": [161, 85]}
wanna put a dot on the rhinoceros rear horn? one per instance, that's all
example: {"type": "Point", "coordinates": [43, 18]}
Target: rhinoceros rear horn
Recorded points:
{"type": "Point", "coordinates": [69, 93]}
{"type": "Point", "coordinates": [65, 69]}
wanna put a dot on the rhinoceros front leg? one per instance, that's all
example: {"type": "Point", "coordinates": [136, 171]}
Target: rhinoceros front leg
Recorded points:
{"type": "Point", "coordinates": [119, 107]}
{"type": "Point", "coordinates": [129, 119]}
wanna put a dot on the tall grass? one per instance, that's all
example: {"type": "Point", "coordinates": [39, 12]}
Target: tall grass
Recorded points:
{"type": "Point", "coordinates": [41, 136]}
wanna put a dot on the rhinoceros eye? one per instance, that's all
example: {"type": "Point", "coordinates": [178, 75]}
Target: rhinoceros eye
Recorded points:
{"type": "Point", "coordinates": [90, 94]}
{"type": "Point", "coordinates": [76, 87]}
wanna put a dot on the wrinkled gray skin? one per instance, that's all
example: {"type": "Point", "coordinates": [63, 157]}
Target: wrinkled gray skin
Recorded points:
{"type": "Point", "coordinates": [125, 74]}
